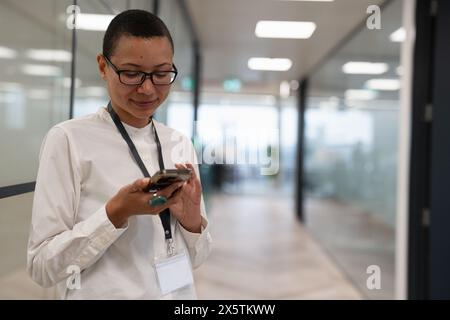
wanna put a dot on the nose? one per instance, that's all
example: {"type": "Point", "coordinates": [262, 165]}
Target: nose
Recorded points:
{"type": "Point", "coordinates": [147, 86]}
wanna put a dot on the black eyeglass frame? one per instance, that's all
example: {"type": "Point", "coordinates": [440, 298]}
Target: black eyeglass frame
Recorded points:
{"type": "Point", "coordinates": [145, 75]}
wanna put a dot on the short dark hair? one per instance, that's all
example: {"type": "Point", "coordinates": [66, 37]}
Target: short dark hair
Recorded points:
{"type": "Point", "coordinates": [137, 23]}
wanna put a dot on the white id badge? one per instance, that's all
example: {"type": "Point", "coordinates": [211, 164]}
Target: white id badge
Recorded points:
{"type": "Point", "coordinates": [173, 273]}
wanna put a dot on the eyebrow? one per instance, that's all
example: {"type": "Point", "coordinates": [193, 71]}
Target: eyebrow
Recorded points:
{"type": "Point", "coordinates": [139, 66]}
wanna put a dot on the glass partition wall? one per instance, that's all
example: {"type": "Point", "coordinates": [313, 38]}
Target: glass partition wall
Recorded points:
{"type": "Point", "coordinates": [35, 82]}
{"type": "Point", "coordinates": [34, 95]}
{"type": "Point", "coordinates": [350, 161]}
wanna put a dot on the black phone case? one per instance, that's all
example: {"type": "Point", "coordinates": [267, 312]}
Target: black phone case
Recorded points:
{"type": "Point", "coordinates": [164, 182]}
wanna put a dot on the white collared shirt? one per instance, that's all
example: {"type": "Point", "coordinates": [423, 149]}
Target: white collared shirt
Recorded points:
{"type": "Point", "coordinates": [82, 164]}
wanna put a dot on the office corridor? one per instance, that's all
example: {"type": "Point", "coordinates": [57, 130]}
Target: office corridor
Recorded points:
{"type": "Point", "coordinates": [261, 252]}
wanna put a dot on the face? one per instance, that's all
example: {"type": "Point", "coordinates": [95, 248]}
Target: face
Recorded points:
{"type": "Point", "coordinates": [136, 103]}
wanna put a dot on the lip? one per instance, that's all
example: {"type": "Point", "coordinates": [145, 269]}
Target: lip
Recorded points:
{"type": "Point", "coordinates": [144, 104]}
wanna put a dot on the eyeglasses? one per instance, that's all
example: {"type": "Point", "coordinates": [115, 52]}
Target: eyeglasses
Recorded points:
{"type": "Point", "coordinates": [135, 78]}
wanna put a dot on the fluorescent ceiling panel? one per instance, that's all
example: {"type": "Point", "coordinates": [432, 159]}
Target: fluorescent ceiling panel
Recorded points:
{"type": "Point", "coordinates": [359, 94]}
{"type": "Point", "coordinates": [41, 70]}
{"type": "Point", "coordinates": [383, 84]}
{"type": "Point", "coordinates": [360, 67]}
{"type": "Point", "coordinates": [285, 29]}
{"type": "Point", "coordinates": [270, 64]}
{"type": "Point", "coordinates": [7, 53]}
{"type": "Point", "coordinates": [49, 55]}
{"type": "Point", "coordinates": [91, 22]}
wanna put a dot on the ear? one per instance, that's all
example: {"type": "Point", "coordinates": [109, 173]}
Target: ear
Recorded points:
{"type": "Point", "coordinates": [101, 66]}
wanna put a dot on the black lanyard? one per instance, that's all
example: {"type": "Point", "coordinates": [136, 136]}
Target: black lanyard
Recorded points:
{"type": "Point", "coordinates": [165, 215]}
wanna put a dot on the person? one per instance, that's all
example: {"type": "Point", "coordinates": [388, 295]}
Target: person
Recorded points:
{"type": "Point", "coordinates": [95, 232]}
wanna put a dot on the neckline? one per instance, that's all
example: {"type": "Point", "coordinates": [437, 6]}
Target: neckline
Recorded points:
{"type": "Point", "coordinates": [130, 129]}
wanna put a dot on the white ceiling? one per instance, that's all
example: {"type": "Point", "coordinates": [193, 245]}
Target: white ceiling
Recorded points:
{"type": "Point", "coordinates": [226, 31]}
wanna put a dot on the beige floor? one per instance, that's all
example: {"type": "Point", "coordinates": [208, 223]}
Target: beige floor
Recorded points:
{"type": "Point", "coordinates": [260, 252]}
{"type": "Point", "coordinates": [356, 239]}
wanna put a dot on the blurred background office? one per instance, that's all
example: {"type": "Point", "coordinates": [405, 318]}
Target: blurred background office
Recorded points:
{"type": "Point", "coordinates": [320, 126]}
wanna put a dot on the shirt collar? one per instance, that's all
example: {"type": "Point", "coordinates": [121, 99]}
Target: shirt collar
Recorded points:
{"type": "Point", "coordinates": [132, 131]}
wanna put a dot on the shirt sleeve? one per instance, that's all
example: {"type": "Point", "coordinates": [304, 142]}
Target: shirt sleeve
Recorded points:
{"type": "Point", "coordinates": [199, 244]}
{"type": "Point", "coordinates": [56, 244]}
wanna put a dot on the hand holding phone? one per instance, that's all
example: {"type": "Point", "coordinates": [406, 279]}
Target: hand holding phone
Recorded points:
{"type": "Point", "coordinates": [164, 178]}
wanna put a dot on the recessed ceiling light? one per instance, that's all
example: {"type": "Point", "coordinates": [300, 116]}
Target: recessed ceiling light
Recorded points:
{"type": "Point", "coordinates": [358, 94]}
{"type": "Point", "coordinates": [67, 82]}
{"type": "Point", "coordinates": [7, 53]}
{"type": "Point", "coordinates": [270, 64]}
{"type": "Point", "coordinates": [49, 55]}
{"type": "Point", "coordinates": [41, 70]}
{"type": "Point", "coordinates": [383, 84]}
{"type": "Point", "coordinates": [398, 36]}
{"type": "Point", "coordinates": [359, 67]}
{"type": "Point", "coordinates": [285, 29]}
{"type": "Point", "coordinates": [90, 21]}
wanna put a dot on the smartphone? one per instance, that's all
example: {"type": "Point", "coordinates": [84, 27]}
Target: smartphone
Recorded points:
{"type": "Point", "coordinates": [165, 178]}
